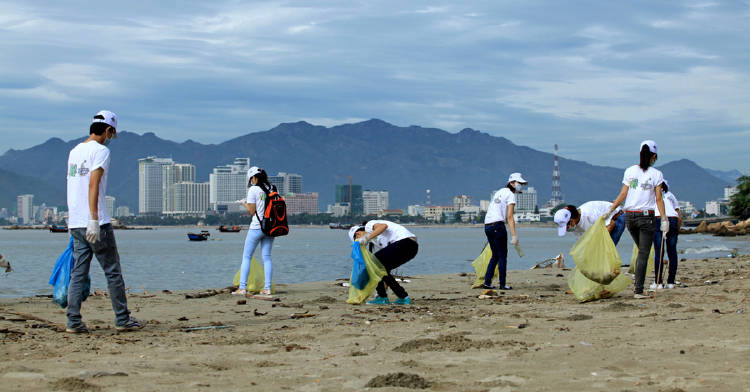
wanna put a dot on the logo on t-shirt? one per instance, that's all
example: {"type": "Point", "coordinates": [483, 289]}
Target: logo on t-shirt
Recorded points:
{"type": "Point", "coordinates": [634, 183]}
{"type": "Point", "coordinates": [83, 170]}
{"type": "Point", "coordinates": [646, 186]}
{"type": "Point", "coordinates": [72, 170]}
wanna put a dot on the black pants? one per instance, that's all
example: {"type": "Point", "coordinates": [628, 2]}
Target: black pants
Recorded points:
{"type": "Point", "coordinates": [641, 228]}
{"type": "Point", "coordinates": [392, 257]}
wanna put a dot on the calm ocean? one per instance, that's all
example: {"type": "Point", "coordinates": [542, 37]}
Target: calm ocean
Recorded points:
{"type": "Point", "coordinates": [165, 259]}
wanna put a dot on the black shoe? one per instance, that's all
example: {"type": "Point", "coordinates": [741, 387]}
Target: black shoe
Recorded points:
{"type": "Point", "coordinates": [490, 287]}
{"type": "Point", "coordinates": [506, 288]}
{"type": "Point", "coordinates": [79, 329]}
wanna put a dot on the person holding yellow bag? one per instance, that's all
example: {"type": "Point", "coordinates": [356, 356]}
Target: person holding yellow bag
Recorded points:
{"type": "Point", "coordinates": [397, 246]}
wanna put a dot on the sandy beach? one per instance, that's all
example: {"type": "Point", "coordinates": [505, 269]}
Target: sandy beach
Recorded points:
{"type": "Point", "coordinates": [536, 337]}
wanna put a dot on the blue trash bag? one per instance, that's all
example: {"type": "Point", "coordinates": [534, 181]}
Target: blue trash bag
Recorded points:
{"type": "Point", "coordinates": [360, 277]}
{"type": "Point", "coordinates": [60, 277]}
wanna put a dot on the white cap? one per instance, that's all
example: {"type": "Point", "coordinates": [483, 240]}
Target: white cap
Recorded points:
{"type": "Point", "coordinates": [252, 171]}
{"type": "Point", "coordinates": [517, 177]}
{"type": "Point", "coordinates": [353, 230]}
{"type": "Point", "coordinates": [109, 118]}
{"type": "Point", "coordinates": [562, 217]}
{"type": "Point", "coordinates": [651, 145]}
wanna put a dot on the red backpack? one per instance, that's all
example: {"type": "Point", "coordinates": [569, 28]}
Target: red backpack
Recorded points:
{"type": "Point", "coordinates": [273, 223]}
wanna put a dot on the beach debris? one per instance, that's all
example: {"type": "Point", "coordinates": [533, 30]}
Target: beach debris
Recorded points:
{"type": "Point", "coordinates": [26, 317]}
{"type": "Point", "coordinates": [585, 343]}
{"type": "Point", "coordinates": [5, 263]}
{"type": "Point", "coordinates": [557, 261]}
{"type": "Point", "coordinates": [294, 346]}
{"type": "Point", "coordinates": [719, 311]}
{"type": "Point", "coordinates": [204, 294]}
{"type": "Point", "coordinates": [323, 307]}
{"type": "Point", "coordinates": [183, 318]}
{"type": "Point", "coordinates": [100, 373]}
{"type": "Point", "coordinates": [519, 326]}
{"type": "Point", "coordinates": [399, 380]}
{"type": "Point", "coordinates": [241, 301]}
{"type": "Point", "coordinates": [579, 317]}
{"type": "Point", "coordinates": [205, 328]}
{"type": "Point", "coordinates": [166, 291]}
{"type": "Point", "coordinates": [305, 314]}
{"type": "Point", "coordinates": [257, 313]}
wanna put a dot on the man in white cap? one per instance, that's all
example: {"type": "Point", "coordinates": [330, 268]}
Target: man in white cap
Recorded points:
{"type": "Point", "coordinates": [500, 212]}
{"type": "Point", "coordinates": [583, 217]}
{"type": "Point", "coordinates": [89, 223]}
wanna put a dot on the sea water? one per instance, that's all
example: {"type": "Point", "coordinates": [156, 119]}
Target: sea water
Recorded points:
{"type": "Point", "coordinates": [163, 258]}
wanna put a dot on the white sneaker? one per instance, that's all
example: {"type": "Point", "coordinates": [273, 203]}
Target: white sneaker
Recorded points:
{"type": "Point", "coordinates": [654, 286]}
{"type": "Point", "coordinates": [670, 286]}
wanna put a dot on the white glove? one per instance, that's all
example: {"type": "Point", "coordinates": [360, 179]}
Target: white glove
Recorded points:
{"type": "Point", "coordinates": [664, 226]}
{"type": "Point", "coordinates": [514, 240]}
{"type": "Point", "coordinates": [92, 231]}
{"type": "Point", "coordinates": [363, 240]}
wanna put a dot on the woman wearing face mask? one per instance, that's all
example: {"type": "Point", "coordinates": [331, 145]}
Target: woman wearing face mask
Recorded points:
{"type": "Point", "coordinates": [258, 189]}
{"type": "Point", "coordinates": [499, 213]}
{"type": "Point", "coordinates": [641, 192]}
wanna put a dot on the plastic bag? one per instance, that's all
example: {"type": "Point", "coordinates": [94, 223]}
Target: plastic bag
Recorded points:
{"type": "Point", "coordinates": [359, 278]}
{"type": "Point", "coordinates": [586, 289]}
{"type": "Point", "coordinates": [595, 254]}
{"type": "Point", "coordinates": [480, 267]}
{"type": "Point", "coordinates": [60, 277]}
{"type": "Point", "coordinates": [634, 258]}
{"type": "Point", "coordinates": [374, 271]}
{"type": "Point", "coordinates": [256, 279]}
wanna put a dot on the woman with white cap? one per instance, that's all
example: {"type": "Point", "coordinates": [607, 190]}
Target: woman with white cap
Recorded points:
{"type": "Point", "coordinates": [500, 212]}
{"type": "Point", "coordinates": [641, 192]}
{"type": "Point", "coordinates": [672, 207]}
{"type": "Point", "coordinates": [255, 204]}
{"type": "Point", "coordinates": [397, 246]}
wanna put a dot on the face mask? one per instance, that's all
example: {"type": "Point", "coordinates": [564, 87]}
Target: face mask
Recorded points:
{"type": "Point", "coordinates": [518, 187]}
{"type": "Point", "coordinates": [106, 142]}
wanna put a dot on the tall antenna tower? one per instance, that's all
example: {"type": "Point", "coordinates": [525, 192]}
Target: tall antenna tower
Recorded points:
{"type": "Point", "coordinates": [557, 196]}
{"type": "Point", "coordinates": [429, 202]}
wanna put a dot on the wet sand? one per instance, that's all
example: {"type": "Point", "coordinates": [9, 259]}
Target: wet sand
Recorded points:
{"type": "Point", "coordinates": [533, 338]}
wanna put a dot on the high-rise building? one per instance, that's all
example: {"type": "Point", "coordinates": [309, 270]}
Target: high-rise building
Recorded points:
{"type": "Point", "coordinates": [110, 202]}
{"type": "Point", "coordinates": [461, 201]}
{"type": "Point", "coordinates": [730, 191]}
{"type": "Point", "coordinates": [26, 209]}
{"type": "Point", "coordinates": [557, 195]}
{"type": "Point", "coordinates": [150, 185]}
{"type": "Point", "coordinates": [228, 184]}
{"type": "Point", "coordinates": [123, 211]}
{"type": "Point", "coordinates": [344, 192]}
{"type": "Point", "coordinates": [374, 201]}
{"type": "Point", "coordinates": [301, 203]}
{"type": "Point", "coordinates": [526, 200]}
{"type": "Point", "coordinates": [191, 197]}
{"type": "Point", "coordinates": [287, 182]}
{"type": "Point", "coordinates": [415, 210]}
{"type": "Point", "coordinates": [171, 175]}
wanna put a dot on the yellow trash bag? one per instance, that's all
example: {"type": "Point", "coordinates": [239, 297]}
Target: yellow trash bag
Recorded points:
{"type": "Point", "coordinates": [586, 289]}
{"type": "Point", "coordinates": [634, 257]}
{"type": "Point", "coordinates": [256, 279]}
{"type": "Point", "coordinates": [480, 267]}
{"type": "Point", "coordinates": [595, 254]}
{"type": "Point", "coordinates": [374, 274]}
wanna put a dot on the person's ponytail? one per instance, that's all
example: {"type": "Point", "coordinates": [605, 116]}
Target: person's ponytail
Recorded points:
{"type": "Point", "coordinates": [646, 156]}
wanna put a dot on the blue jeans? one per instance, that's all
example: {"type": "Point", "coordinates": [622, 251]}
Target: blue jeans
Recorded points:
{"type": "Point", "coordinates": [619, 228]}
{"type": "Point", "coordinates": [497, 237]}
{"type": "Point", "coordinates": [106, 253]}
{"type": "Point", "coordinates": [671, 242]}
{"type": "Point", "coordinates": [251, 242]}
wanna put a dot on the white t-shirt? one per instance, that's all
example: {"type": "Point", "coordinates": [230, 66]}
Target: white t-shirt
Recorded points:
{"type": "Point", "coordinates": [393, 233]}
{"type": "Point", "coordinates": [82, 160]}
{"type": "Point", "coordinates": [255, 195]}
{"type": "Point", "coordinates": [641, 196]}
{"type": "Point", "coordinates": [591, 211]}
{"type": "Point", "coordinates": [670, 205]}
{"type": "Point", "coordinates": [499, 205]}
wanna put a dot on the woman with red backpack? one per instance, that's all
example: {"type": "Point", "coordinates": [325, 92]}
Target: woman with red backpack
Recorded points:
{"type": "Point", "coordinates": [255, 204]}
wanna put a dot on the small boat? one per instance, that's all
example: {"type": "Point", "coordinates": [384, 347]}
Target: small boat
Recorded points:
{"type": "Point", "coordinates": [227, 229]}
{"type": "Point", "coordinates": [58, 229]}
{"type": "Point", "coordinates": [202, 236]}
{"type": "Point", "coordinates": [339, 226]}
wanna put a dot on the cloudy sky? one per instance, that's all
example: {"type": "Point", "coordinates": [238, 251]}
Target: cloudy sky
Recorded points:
{"type": "Point", "coordinates": [596, 77]}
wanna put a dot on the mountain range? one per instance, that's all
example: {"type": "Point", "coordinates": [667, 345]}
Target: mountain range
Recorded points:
{"type": "Point", "coordinates": [403, 160]}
